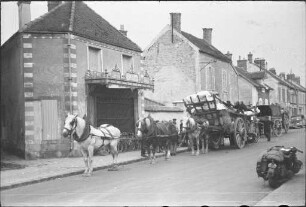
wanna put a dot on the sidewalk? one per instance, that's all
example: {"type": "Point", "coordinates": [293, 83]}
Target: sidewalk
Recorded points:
{"type": "Point", "coordinates": [46, 169]}
{"type": "Point", "coordinates": [290, 193]}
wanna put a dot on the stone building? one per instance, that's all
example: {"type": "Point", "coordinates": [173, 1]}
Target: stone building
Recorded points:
{"type": "Point", "coordinates": [284, 90]}
{"type": "Point", "coordinates": [183, 64]}
{"type": "Point", "coordinates": [68, 60]}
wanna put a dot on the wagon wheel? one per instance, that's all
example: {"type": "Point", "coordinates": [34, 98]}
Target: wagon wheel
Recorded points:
{"type": "Point", "coordinates": [277, 127]}
{"type": "Point", "coordinates": [239, 133]}
{"type": "Point", "coordinates": [286, 123]}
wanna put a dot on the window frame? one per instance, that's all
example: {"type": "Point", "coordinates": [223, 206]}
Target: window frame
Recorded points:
{"type": "Point", "coordinates": [101, 57]}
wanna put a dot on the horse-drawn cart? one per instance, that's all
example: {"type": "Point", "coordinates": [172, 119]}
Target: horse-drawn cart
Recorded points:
{"type": "Point", "coordinates": [224, 121]}
{"type": "Point", "coordinates": [272, 119]}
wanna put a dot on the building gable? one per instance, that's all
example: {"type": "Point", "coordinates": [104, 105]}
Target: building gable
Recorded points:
{"type": "Point", "coordinates": [77, 18]}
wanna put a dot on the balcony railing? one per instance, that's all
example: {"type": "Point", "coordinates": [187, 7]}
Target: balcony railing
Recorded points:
{"type": "Point", "coordinates": [130, 79]}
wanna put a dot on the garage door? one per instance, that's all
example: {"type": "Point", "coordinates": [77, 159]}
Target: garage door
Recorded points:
{"type": "Point", "coordinates": [117, 110]}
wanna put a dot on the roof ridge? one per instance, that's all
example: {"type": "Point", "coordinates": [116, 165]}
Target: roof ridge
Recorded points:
{"type": "Point", "coordinates": [41, 17]}
{"type": "Point", "coordinates": [111, 25]}
{"type": "Point", "coordinates": [213, 48]}
{"type": "Point", "coordinates": [72, 16]}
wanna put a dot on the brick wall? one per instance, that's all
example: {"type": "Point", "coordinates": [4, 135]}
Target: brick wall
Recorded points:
{"type": "Point", "coordinates": [231, 87]}
{"type": "Point", "coordinates": [245, 91]}
{"type": "Point", "coordinates": [173, 67]}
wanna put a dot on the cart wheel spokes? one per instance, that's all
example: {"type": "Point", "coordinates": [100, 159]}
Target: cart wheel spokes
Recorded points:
{"type": "Point", "coordinates": [239, 133]}
{"type": "Point", "coordinates": [277, 128]}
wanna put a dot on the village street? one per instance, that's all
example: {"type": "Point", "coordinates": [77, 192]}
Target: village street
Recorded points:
{"type": "Point", "coordinates": [224, 177]}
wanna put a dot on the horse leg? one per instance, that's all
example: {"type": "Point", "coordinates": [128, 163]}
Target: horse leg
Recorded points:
{"type": "Point", "coordinates": [85, 158]}
{"type": "Point", "coordinates": [175, 145]}
{"type": "Point", "coordinates": [114, 152]}
{"type": "Point", "coordinates": [90, 159]}
{"type": "Point", "coordinates": [206, 143]}
{"type": "Point", "coordinates": [198, 145]}
{"type": "Point", "coordinates": [152, 153]}
{"type": "Point", "coordinates": [191, 144]}
{"type": "Point", "coordinates": [167, 151]}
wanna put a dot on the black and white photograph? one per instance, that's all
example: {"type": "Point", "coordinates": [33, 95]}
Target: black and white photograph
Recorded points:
{"type": "Point", "coordinates": [153, 103]}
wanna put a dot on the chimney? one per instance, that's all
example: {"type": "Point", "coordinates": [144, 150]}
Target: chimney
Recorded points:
{"type": "Point", "coordinates": [291, 77]}
{"type": "Point", "coordinates": [261, 63]}
{"type": "Point", "coordinates": [298, 79]}
{"type": "Point", "coordinates": [176, 21]}
{"type": "Point", "coordinates": [207, 34]}
{"type": "Point", "coordinates": [53, 4]}
{"type": "Point", "coordinates": [272, 70]}
{"type": "Point", "coordinates": [282, 76]}
{"type": "Point", "coordinates": [124, 32]}
{"type": "Point", "coordinates": [24, 13]}
{"type": "Point", "coordinates": [250, 57]}
{"type": "Point", "coordinates": [229, 55]}
{"type": "Point", "coordinates": [242, 64]}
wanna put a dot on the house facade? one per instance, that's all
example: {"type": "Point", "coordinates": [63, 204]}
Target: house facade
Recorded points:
{"type": "Point", "coordinates": [183, 64]}
{"type": "Point", "coordinates": [284, 90]}
{"type": "Point", "coordinates": [68, 60]}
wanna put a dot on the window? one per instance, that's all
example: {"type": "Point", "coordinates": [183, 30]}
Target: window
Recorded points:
{"type": "Point", "coordinates": [95, 60]}
{"type": "Point", "coordinates": [283, 95]}
{"type": "Point", "coordinates": [279, 94]}
{"type": "Point", "coordinates": [288, 96]}
{"type": "Point", "coordinates": [210, 78]}
{"type": "Point", "coordinates": [224, 80]}
{"type": "Point", "coordinates": [127, 63]}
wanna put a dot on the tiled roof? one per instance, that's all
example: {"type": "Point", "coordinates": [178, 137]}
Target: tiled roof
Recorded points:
{"type": "Point", "coordinates": [77, 18]}
{"type": "Point", "coordinates": [257, 75]}
{"type": "Point", "coordinates": [205, 47]}
{"type": "Point", "coordinates": [247, 76]}
{"type": "Point", "coordinates": [269, 87]}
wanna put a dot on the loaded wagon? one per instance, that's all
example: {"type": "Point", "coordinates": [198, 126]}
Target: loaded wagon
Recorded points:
{"type": "Point", "coordinates": [224, 120]}
{"type": "Point", "coordinates": [272, 120]}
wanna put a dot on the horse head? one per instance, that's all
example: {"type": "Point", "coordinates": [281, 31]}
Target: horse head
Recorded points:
{"type": "Point", "coordinates": [144, 126]}
{"type": "Point", "coordinates": [188, 124]}
{"type": "Point", "coordinates": [70, 124]}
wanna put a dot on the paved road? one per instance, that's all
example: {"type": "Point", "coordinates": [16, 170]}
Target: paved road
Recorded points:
{"type": "Point", "coordinates": [224, 177]}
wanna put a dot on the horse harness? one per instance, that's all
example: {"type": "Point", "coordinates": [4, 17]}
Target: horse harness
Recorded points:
{"type": "Point", "coordinates": [86, 133]}
{"type": "Point", "coordinates": [153, 135]}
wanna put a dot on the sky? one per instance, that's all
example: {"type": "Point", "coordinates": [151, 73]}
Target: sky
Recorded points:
{"type": "Point", "coordinates": [271, 30]}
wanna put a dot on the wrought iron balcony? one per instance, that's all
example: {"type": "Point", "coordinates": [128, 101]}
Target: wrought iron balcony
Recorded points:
{"type": "Point", "coordinates": [115, 78]}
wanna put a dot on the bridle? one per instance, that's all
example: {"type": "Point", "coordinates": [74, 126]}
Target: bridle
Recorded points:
{"type": "Point", "coordinates": [139, 128]}
{"type": "Point", "coordinates": [74, 121]}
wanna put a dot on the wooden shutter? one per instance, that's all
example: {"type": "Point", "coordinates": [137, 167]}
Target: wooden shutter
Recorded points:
{"type": "Point", "coordinates": [49, 119]}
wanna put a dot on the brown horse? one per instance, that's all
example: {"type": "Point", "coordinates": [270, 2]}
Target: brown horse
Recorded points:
{"type": "Point", "coordinates": [154, 134]}
{"type": "Point", "coordinates": [196, 132]}
{"type": "Point", "coordinates": [91, 139]}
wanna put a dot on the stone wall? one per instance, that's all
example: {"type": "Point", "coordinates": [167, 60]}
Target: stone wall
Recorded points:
{"type": "Point", "coordinates": [173, 67]}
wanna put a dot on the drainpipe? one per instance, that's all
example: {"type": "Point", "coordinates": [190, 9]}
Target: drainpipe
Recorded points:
{"type": "Point", "coordinates": [69, 66]}
{"type": "Point", "coordinates": [70, 81]}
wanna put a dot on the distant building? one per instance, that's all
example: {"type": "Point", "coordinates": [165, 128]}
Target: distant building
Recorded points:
{"type": "Point", "coordinates": [68, 60]}
{"type": "Point", "coordinates": [283, 90]}
{"type": "Point", "coordinates": [252, 91]}
{"type": "Point", "coordinates": [183, 64]}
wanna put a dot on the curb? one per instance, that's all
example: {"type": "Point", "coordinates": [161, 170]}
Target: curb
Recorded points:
{"type": "Point", "coordinates": [79, 172]}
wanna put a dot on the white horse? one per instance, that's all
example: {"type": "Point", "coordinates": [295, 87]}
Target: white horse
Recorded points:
{"type": "Point", "coordinates": [91, 139]}
{"type": "Point", "coordinates": [196, 132]}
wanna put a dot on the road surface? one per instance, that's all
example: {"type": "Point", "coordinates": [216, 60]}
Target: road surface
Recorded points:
{"type": "Point", "coordinates": [224, 177]}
